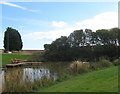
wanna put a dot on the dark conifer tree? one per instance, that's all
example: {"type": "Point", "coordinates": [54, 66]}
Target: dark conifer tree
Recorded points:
{"type": "Point", "coordinates": [12, 40]}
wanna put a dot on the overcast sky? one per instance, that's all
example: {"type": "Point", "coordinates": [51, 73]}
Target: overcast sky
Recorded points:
{"type": "Point", "coordinates": [42, 22]}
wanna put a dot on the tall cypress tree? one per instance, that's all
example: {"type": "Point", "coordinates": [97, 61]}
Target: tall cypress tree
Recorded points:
{"type": "Point", "coordinates": [12, 40]}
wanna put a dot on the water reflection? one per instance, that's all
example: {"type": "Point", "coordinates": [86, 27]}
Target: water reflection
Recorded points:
{"type": "Point", "coordinates": [34, 74]}
{"type": "Point", "coordinates": [1, 79]}
{"type": "Point", "coordinates": [2, 76]}
{"type": "Point", "coordinates": [12, 78]}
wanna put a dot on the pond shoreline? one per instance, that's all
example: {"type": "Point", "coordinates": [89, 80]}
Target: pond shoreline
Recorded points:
{"type": "Point", "coordinates": [26, 76]}
{"type": "Point", "coordinates": [81, 82]}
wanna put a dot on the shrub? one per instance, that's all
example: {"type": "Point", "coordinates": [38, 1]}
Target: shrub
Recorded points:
{"type": "Point", "coordinates": [116, 62]}
{"type": "Point", "coordinates": [105, 63]}
{"type": "Point", "coordinates": [79, 67]}
{"type": "Point", "coordinates": [95, 66]}
{"type": "Point", "coordinates": [100, 64]}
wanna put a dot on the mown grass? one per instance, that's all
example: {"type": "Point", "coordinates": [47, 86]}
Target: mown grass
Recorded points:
{"type": "Point", "coordinates": [6, 58]}
{"type": "Point", "coordinates": [105, 80]}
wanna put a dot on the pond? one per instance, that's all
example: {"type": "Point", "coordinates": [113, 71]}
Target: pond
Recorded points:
{"type": "Point", "coordinates": [27, 78]}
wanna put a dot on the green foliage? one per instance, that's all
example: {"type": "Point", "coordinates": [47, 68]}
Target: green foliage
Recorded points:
{"type": "Point", "coordinates": [116, 62]}
{"type": "Point", "coordinates": [102, 63]}
{"type": "Point", "coordinates": [12, 40]}
{"type": "Point", "coordinates": [86, 45]}
{"type": "Point", "coordinates": [76, 38]}
{"type": "Point", "coordinates": [57, 51]}
{"type": "Point", "coordinates": [105, 63]}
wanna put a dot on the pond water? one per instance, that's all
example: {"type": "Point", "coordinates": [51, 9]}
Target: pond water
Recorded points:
{"type": "Point", "coordinates": [26, 73]}
{"type": "Point", "coordinates": [13, 79]}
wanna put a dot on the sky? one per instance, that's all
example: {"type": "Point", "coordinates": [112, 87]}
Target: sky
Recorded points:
{"type": "Point", "coordinates": [41, 23]}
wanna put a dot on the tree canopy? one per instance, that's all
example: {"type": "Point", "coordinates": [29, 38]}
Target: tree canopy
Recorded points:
{"type": "Point", "coordinates": [85, 45]}
{"type": "Point", "coordinates": [12, 40]}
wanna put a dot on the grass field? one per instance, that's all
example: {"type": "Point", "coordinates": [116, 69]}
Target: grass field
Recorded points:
{"type": "Point", "coordinates": [6, 58]}
{"type": "Point", "coordinates": [105, 80]}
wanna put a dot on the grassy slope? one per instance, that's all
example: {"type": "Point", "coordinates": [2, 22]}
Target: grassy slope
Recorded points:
{"type": "Point", "coordinates": [105, 80]}
{"type": "Point", "coordinates": [6, 58]}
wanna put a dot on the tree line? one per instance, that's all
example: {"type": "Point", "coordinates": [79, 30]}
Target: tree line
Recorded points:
{"type": "Point", "coordinates": [85, 45]}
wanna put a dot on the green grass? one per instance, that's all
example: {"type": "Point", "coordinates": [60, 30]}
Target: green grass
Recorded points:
{"type": "Point", "coordinates": [105, 80]}
{"type": "Point", "coordinates": [6, 58]}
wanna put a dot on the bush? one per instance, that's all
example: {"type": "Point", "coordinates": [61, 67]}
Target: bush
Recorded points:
{"type": "Point", "coordinates": [105, 63]}
{"type": "Point", "coordinates": [116, 62]}
{"type": "Point", "coordinates": [94, 66]}
{"type": "Point", "coordinates": [100, 64]}
{"type": "Point", "coordinates": [79, 67]}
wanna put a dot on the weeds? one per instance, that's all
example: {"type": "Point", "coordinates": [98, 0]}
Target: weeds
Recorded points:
{"type": "Point", "coordinates": [79, 67]}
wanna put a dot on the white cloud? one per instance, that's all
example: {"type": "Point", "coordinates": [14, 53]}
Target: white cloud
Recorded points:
{"type": "Point", "coordinates": [58, 24]}
{"type": "Point", "coordinates": [13, 5]}
{"type": "Point", "coordinates": [41, 38]}
{"type": "Point", "coordinates": [21, 26]}
{"type": "Point", "coordinates": [31, 10]}
{"type": "Point", "coordinates": [17, 6]}
{"type": "Point", "coordinates": [50, 35]}
{"type": "Point", "coordinates": [105, 20]}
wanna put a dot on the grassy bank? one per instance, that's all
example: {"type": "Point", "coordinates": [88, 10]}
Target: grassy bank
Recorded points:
{"type": "Point", "coordinates": [105, 80]}
{"type": "Point", "coordinates": [6, 58]}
